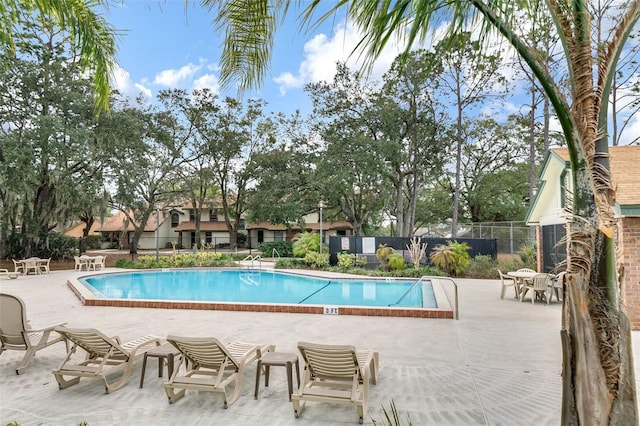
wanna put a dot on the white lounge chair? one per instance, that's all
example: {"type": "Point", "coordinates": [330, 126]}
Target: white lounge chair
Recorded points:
{"type": "Point", "coordinates": [104, 355]}
{"type": "Point", "coordinates": [336, 374]}
{"type": "Point", "coordinates": [16, 333]}
{"type": "Point", "coordinates": [10, 275]}
{"type": "Point", "coordinates": [211, 366]}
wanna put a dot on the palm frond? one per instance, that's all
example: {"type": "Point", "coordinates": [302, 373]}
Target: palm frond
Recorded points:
{"type": "Point", "coordinates": [249, 27]}
{"type": "Point", "coordinates": [89, 31]}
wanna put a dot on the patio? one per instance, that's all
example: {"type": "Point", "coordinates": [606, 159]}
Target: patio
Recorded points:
{"type": "Point", "coordinates": [484, 369]}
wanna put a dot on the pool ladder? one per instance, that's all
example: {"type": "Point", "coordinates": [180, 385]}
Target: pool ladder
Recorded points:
{"type": "Point", "coordinates": [432, 278]}
{"type": "Point", "coordinates": [255, 258]}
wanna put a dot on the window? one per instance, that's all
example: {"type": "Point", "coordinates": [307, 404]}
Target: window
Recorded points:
{"type": "Point", "coordinates": [175, 220]}
{"type": "Point", "coordinates": [192, 215]}
{"type": "Point", "coordinates": [208, 237]}
{"type": "Point", "coordinates": [241, 225]}
{"type": "Point", "coordinates": [563, 188]}
{"type": "Point", "coordinates": [213, 215]}
{"type": "Point", "coordinates": [341, 232]}
{"type": "Point", "coordinates": [278, 236]}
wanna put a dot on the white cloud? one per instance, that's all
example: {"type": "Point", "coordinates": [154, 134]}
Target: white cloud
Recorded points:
{"type": "Point", "coordinates": [185, 77]}
{"type": "Point", "coordinates": [321, 54]}
{"type": "Point", "coordinates": [207, 81]}
{"type": "Point", "coordinates": [177, 77]}
{"type": "Point", "coordinates": [288, 80]}
{"type": "Point", "coordinates": [212, 67]}
{"type": "Point", "coordinates": [123, 83]}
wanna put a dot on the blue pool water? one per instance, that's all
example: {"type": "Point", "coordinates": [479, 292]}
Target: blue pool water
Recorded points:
{"type": "Point", "coordinates": [259, 287]}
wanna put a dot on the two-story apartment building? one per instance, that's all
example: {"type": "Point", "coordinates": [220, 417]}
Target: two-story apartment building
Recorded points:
{"type": "Point", "coordinates": [257, 233]}
{"type": "Point", "coordinates": [176, 225]}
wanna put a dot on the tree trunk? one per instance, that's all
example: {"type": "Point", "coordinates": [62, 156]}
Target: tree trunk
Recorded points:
{"type": "Point", "coordinates": [614, 111]}
{"type": "Point", "coordinates": [136, 237]}
{"type": "Point", "coordinates": [197, 217]}
{"type": "Point", "coordinates": [89, 221]}
{"type": "Point", "coordinates": [458, 184]}
{"type": "Point", "coordinates": [532, 145]}
{"type": "Point", "coordinates": [399, 211]}
{"type": "Point", "coordinates": [598, 378]}
{"type": "Point", "coordinates": [597, 367]}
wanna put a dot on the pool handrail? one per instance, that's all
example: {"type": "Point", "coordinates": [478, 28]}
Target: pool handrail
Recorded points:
{"type": "Point", "coordinates": [253, 259]}
{"type": "Point", "coordinates": [274, 252]}
{"type": "Point", "coordinates": [414, 285]}
{"type": "Point", "coordinates": [455, 292]}
{"type": "Point", "coordinates": [431, 278]}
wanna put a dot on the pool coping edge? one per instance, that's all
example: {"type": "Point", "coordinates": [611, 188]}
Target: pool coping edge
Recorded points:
{"type": "Point", "coordinates": [444, 310]}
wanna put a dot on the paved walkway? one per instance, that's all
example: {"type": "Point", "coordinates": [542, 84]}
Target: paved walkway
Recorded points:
{"type": "Point", "coordinates": [498, 365]}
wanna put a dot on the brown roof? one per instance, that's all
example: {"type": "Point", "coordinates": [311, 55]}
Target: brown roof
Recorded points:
{"type": "Point", "coordinates": [212, 202]}
{"type": "Point", "coordinates": [265, 224]}
{"type": "Point", "coordinates": [204, 226]}
{"type": "Point", "coordinates": [340, 224]}
{"type": "Point", "coordinates": [116, 223]}
{"type": "Point", "coordinates": [75, 230]}
{"type": "Point", "coordinates": [625, 173]}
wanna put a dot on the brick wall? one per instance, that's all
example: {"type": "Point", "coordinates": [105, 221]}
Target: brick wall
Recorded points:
{"type": "Point", "coordinates": [630, 231]}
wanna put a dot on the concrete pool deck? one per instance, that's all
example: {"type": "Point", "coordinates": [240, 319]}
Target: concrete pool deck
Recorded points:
{"type": "Point", "coordinates": [499, 364]}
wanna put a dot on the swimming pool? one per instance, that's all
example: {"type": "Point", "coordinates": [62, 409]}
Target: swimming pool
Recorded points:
{"type": "Point", "coordinates": [260, 290]}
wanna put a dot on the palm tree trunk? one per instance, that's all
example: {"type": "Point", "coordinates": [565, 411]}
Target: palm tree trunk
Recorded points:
{"type": "Point", "coordinates": [598, 379]}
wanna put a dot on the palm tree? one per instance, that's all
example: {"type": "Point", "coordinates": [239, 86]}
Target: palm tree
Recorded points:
{"type": "Point", "coordinates": [598, 382]}
{"type": "Point", "coordinates": [91, 33]}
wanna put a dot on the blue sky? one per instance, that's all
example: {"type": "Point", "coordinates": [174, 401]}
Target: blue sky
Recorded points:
{"type": "Point", "coordinates": [162, 46]}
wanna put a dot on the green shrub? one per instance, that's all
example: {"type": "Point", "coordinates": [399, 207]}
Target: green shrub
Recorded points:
{"type": "Point", "coordinates": [126, 263]}
{"type": "Point", "coordinates": [290, 263]}
{"type": "Point", "coordinates": [317, 260]}
{"type": "Point", "coordinates": [417, 273]}
{"type": "Point", "coordinates": [346, 260]}
{"type": "Point", "coordinates": [482, 266]}
{"type": "Point", "coordinates": [382, 253]}
{"type": "Point", "coordinates": [506, 265]}
{"type": "Point", "coordinates": [361, 261]}
{"type": "Point", "coordinates": [58, 246]}
{"type": "Point", "coordinates": [395, 261]}
{"type": "Point", "coordinates": [93, 242]}
{"type": "Point", "coordinates": [452, 258]}
{"type": "Point", "coordinates": [54, 245]}
{"type": "Point", "coordinates": [283, 248]}
{"type": "Point", "coordinates": [306, 242]}
{"type": "Point", "coordinates": [201, 259]}
{"type": "Point", "coordinates": [528, 253]}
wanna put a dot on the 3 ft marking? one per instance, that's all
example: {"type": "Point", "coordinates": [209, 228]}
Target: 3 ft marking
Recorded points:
{"type": "Point", "coordinates": [330, 310]}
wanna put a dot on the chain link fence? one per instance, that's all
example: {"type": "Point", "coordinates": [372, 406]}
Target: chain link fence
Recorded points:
{"type": "Point", "coordinates": [511, 236]}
